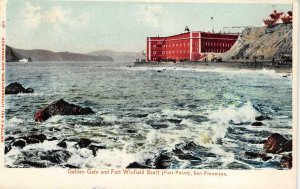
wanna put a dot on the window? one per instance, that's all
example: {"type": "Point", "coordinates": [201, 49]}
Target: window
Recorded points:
{"type": "Point", "coordinates": [183, 51]}
{"type": "Point", "coordinates": [154, 46]}
{"type": "Point", "coordinates": [188, 51]}
{"type": "Point", "coordinates": [163, 52]}
{"type": "Point", "coordinates": [180, 51]}
{"type": "Point", "coordinates": [180, 44]}
{"type": "Point", "coordinates": [184, 44]}
{"type": "Point", "coordinates": [188, 44]}
{"type": "Point", "coordinates": [163, 45]}
{"type": "Point", "coordinates": [154, 52]}
{"type": "Point", "coordinates": [173, 45]}
{"type": "Point", "coordinates": [176, 45]}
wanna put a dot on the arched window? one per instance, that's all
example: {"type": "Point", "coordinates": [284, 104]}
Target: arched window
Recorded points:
{"type": "Point", "coordinates": [154, 52]}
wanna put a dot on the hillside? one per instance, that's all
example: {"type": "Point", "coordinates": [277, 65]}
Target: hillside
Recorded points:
{"type": "Point", "coordinates": [45, 55]}
{"type": "Point", "coordinates": [263, 43]}
{"type": "Point", "coordinates": [11, 55]}
{"type": "Point", "coordinates": [119, 56]}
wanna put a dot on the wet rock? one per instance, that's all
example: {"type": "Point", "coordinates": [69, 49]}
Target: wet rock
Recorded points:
{"type": "Point", "coordinates": [131, 131]}
{"type": "Point", "coordinates": [261, 118]}
{"type": "Point", "coordinates": [19, 143]}
{"type": "Point", "coordinates": [15, 88]}
{"type": "Point", "coordinates": [185, 156]}
{"type": "Point", "coordinates": [257, 123]}
{"type": "Point", "coordinates": [32, 139]}
{"type": "Point", "coordinates": [60, 107]}
{"type": "Point", "coordinates": [263, 156]}
{"type": "Point", "coordinates": [84, 142]}
{"type": "Point", "coordinates": [33, 164]}
{"type": "Point", "coordinates": [7, 149]}
{"type": "Point", "coordinates": [157, 125]}
{"type": "Point", "coordinates": [196, 118]}
{"type": "Point", "coordinates": [141, 115]}
{"type": "Point", "coordinates": [53, 138]}
{"type": "Point", "coordinates": [71, 166]}
{"type": "Point", "coordinates": [9, 138]}
{"type": "Point", "coordinates": [163, 160]}
{"type": "Point", "coordinates": [286, 161]}
{"type": "Point", "coordinates": [276, 144]}
{"type": "Point", "coordinates": [158, 70]}
{"type": "Point", "coordinates": [174, 120]}
{"type": "Point", "coordinates": [95, 148]}
{"type": "Point", "coordinates": [56, 156]}
{"type": "Point", "coordinates": [62, 144]}
{"type": "Point", "coordinates": [136, 165]}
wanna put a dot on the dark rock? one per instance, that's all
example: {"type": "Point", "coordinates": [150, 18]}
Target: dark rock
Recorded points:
{"type": "Point", "coordinates": [29, 90]}
{"type": "Point", "coordinates": [185, 156]}
{"type": "Point", "coordinates": [95, 148]}
{"type": "Point", "coordinates": [62, 144]}
{"type": "Point", "coordinates": [136, 165]}
{"type": "Point", "coordinates": [71, 166]}
{"type": "Point", "coordinates": [141, 115]}
{"type": "Point", "coordinates": [7, 149]}
{"type": "Point", "coordinates": [163, 160]}
{"type": "Point", "coordinates": [131, 131]}
{"type": "Point", "coordinates": [32, 139]}
{"type": "Point", "coordinates": [19, 143]}
{"type": "Point", "coordinates": [9, 138]}
{"type": "Point", "coordinates": [261, 118]}
{"type": "Point", "coordinates": [263, 156]}
{"type": "Point", "coordinates": [286, 161]}
{"type": "Point", "coordinates": [276, 144]}
{"type": "Point", "coordinates": [53, 138]}
{"type": "Point", "coordinates": [176, 121]}
{"type": "Point", "coordinates": [84, 142]}
{"type": "Point", "coordinates": [258, 123]}
{"type": "Point", "coordinates": [56, 156]}
{"type": "Point", "coordinates": [60, 107]}
{"type": "Point", "coordinates": [157, 125]}
{"type": "Point", "coordinates": [158, 70]}
{"type": "Point", "coordinates": [33, 164]}
{"type": "Point", "coordinates": [15, 88]}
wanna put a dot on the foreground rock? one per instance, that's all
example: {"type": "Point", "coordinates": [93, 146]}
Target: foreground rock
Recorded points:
{"type": "Point", "coordinates": [263, 156]}
{"type": "Point", "coordinates": [60, 107]}
{"type": "Point", "coordinates": [276, 144]}
{"type": "Point", "coordinates": [286, 161]}
{"type": "Point", "coordinates": [15, 88]}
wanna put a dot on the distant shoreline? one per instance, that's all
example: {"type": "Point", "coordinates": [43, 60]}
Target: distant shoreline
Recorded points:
{"type": "Point", "coordinates": [280, 68]}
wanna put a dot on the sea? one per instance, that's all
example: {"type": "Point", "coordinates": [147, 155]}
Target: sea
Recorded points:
{"type": "Point", "coordinates": [199, 118]}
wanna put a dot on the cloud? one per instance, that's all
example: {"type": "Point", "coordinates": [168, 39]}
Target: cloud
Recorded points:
{"type": "Point", "coordinates": [152, 14]}
{"type": "Point", "coordinates": [56, 17]}
{"type": "Point", "coordinates": [32, 15]}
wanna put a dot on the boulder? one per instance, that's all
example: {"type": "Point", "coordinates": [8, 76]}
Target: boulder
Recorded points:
{"type": "Point", "coordinates": [62, 144]}
{"type": "Point", "coordinates": [84, 142]}
{"type": "Point", "coordinates": [136, 165]}
{"type": "Point", "coordinates": [257, 123]}
{"type": "Point", "coordinates": [60, 107]}
{"type": "Point", "coordinates": [15, 88]}
{"type": "Point", "coordinates": [261, 118]}
{"type": "Point", "coordinates": [286, 161]}
{"type": "Point", "coordinates": [95, 148]}
{"type": "Point", "coordinates": [276, 144]}
{"type": "Point", "coordinates": [263, 156]}
{"type": "Point", "coordinates": [163, 160]}
{"type": "Point", "coordinates": [19, 143]}
{"type": "Point", "coordinates": [32, 139]}
{"type": "Point", "coordinates": [56, 156]}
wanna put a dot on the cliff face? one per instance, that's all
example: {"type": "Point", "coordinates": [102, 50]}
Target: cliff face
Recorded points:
{"type": "Point", "coordinates": [11, 55]}
{"type": "Point", "coordinates": [263, 43]}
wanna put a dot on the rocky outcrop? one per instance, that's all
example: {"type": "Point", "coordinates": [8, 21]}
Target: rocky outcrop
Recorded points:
{"type": "Point", "coordinates": [15, 88]}
{"type": "Point", "coordinates": [276, 144]}
{"type": "Point", "coordinates": [286, 161]}
{"type": "Point", "coordinates": [262, 43]}
{"type": "Point", "coordinates": [60, 107]}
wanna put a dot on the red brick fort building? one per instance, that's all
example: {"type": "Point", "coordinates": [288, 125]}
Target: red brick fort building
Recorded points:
{"type": "Point", "coordinates": [189, 46]}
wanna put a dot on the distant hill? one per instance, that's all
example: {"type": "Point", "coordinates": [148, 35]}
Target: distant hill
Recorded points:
{"type": "Point", "coordinates": [119, 56]}
{"type": "Point", "coordinates": [45, 55]}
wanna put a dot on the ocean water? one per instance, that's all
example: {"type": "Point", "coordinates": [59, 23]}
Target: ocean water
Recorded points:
{"type": "Point", "coordinates": [142, 112]}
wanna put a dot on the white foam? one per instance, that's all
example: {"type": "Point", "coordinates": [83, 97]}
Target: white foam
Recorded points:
{"type": "Point", "coordinates": [15, 120]}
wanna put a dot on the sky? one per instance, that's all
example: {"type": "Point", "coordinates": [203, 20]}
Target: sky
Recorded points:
{"type": "Point", "coordinates": [84, 26]}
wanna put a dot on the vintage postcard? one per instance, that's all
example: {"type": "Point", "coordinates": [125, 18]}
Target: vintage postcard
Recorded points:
{"type": "Point", "coordinates": [142, 94]}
